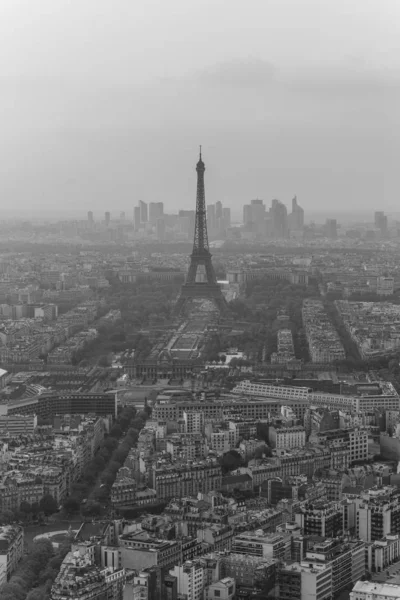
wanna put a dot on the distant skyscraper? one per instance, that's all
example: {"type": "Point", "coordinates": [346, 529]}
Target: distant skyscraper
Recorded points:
{"type": "Point", "coordinates": [258, 215]}
{"type": "Point", "coordinates": [381, 222]}
{"type": "Point", "coordinates": [226, 215]}
{"type": "Point", "coordinates": [331, 229]}
{"type": "Point", "coordinates": [122, 216]}
{"type": "Point", "coordinates": [143, 211]}
{"type": "Point", "coordinates": [247, 214]}
{"type": "Point", "coordinates": [218, 210]}
{"type": "Point", "coordinates": [156, 211]}
{"type": "Point", "coordinates": [107, 218]}
{"type": "Point", "coordinates": [136, 218]}
{"type": "Point", "coordinates": [211, 218]}
{"type": "Point", "coordinates": [296, 217]}
{"type": "Point", "coordinates": [191, 214]}
{"type": "Point", "coordinates": [278, 215]}
{"type": "Point", "coordinates": [90, 217]}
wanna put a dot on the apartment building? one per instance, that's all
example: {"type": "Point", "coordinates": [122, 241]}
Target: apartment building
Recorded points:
{"type": "Point", "coordinates": [346, 559]}
{"type": "Point", "coordinates": [194, 421]}
{"type": "Point", "coordinates": [323, 340]}
{"type": "Point", "coordinates": [258, 544]}
{"type": "Point", "coordinates": [305, 581]}
{"type": "Point", "coordinates": [286, 438]}
{"type": "Point", "coordinates": [224, 589]}
{"type": "Point", "coordinates": [320, 518]}
{"type": "Point", "coordinates": [374, 590]}
{"type": "Point", "coordinates": [138, 550]}
{"type": "Point", "coordinates": [223, 440]}
{"type": "Point", "coordinates": [355, 438]}
{"type": "Point", "coordinates": [172, 410]}
{"type": "Point", "coordinates": [79, 576]}
{"type": "Point", "coordinates": [382, 553]}
{"type": "Point", "coordinates": [16, 425]}
{"type": "Point", "coordinates": [191, 579]}
{"type": "Point", "coordinates": [123, 491]}
{"type": "Point", "coordinates": [218, 536]}
{"type": "Point", "coordinates": [11, 548]}
{"type": "Point", "coordinates": [252, 388]}
{"type": "Point", "coordinates": [171, 480]}
{"type": "Point", "coordinates": [377, 513]}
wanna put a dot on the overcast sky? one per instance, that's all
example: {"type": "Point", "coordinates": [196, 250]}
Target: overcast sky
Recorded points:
{"type": "Point", "coordinates": [104, 102]}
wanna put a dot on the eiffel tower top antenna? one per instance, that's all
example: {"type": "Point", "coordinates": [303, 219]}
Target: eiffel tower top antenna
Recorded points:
{"type": "Point", "coordinates": [200, 151]}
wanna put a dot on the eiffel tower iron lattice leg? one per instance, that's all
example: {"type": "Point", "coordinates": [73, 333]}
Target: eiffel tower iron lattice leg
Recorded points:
{"type": "Point", "coordinates": [201, 257]}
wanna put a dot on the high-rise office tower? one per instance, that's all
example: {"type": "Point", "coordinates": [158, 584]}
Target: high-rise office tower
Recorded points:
{"type": "Point", "coordinates": [226, 215]}
{"type": "Point", "coordinates": [143, 211]}
{"type": "Point", "coordinates": [156, 211]}
{"type": "Point", "coordinates": [296, 217]}
{"type": "Point", "coordinates": [191, 214]}
{"type": "Point", "coordinates": [258, 215]}
{"type": "Point", "coordinates": [331, 229]}
{"type": "Point", "coordinates": [278, 215]}
{"type": "Point", "coordinates": [122, 216]}
{"type": "Point", "coordinates": [381, 222]}
{"type": "Point", "coordinates": [90, 217]}
{"type": "Point", "coordinates": [107, 218]}
{"type": "Point", "coordinates": [247, 214]}
{"type": "Point", "coordinates": [136, 218]}
{"type": "Point", "coordinates": [218, 209]}
{"type": "Point", "coordinates": [211, 217]}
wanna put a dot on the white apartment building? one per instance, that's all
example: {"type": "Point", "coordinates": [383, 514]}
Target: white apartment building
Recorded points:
{"type": "Point", "coordinates": [358, 444]}
{"type": "Point", "coordinates": [373, 590]}
{"type": "Point", "coordinates": [223, 440]}
{"type": "Point", "coordinates": [193, 422]}
{"type": "Point", "coordinates": [287, 437]}
{"type": "Point", "coordinates": [191, 579]}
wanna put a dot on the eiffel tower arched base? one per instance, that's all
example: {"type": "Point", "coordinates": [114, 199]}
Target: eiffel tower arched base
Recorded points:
{"type": "Point", "coordinates": [201, 291]}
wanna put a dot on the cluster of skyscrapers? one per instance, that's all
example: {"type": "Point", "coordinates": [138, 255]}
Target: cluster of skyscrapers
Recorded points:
{"type": "Point", "coordinates": [276, 222]}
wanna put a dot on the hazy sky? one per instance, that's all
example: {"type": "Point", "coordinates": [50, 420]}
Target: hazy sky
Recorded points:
{"type": "Point", "coordinates": [104, 102]}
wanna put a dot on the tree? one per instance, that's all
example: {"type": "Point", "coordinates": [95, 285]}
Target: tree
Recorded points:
{"type": "Point", "coordinates": [36, 594]}
{"type": "Point", "coordinates": [48, 505]}
{"type": "Point", "coordinates": [230, 461]}
{"type": "Point", "coordinates": [25, 507]}
{"type": "Point", "coordinates": [262, 431]}
{"type": "Point", "coordinates": [92, 508]}
{"type": "Point", "coordinates": [110, 443]}
{"type": "Point", "coordinates": [262, 451]}
{"type": "Point", "coordinates": [104, 361]}
{"type": "Point", "coordinates": [116, 431]}
{"type": "Point", "coordinates": [71, 504]}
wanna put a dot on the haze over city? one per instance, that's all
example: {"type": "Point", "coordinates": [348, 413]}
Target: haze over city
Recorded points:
{"type": "Point", "coordinates": [105, 103]}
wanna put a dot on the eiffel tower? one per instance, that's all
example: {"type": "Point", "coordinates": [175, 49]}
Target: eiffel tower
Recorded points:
{"type": "Point", "coordinates": [201, 256]}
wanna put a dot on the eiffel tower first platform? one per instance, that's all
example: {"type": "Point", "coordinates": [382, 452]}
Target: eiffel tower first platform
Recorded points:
{"type": "Point", "coordinates": [201, 257]}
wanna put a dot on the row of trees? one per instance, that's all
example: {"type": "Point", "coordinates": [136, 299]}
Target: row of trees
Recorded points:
{"type": "Point", "coordinates": [36, 573]}
{"type": "Point", "coordinates": [258, 312]}
{"type": "Point", "coordinates": [27, 512]}
{"type": "Point", "coordinates": [95, 484]}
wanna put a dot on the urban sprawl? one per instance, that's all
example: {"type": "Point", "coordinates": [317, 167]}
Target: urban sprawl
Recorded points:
{"type": "Point", "coordinates": [181, 426]}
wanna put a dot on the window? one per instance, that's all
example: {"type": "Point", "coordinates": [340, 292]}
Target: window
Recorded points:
{"type": "Point", "coordinates": [217, 593]}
